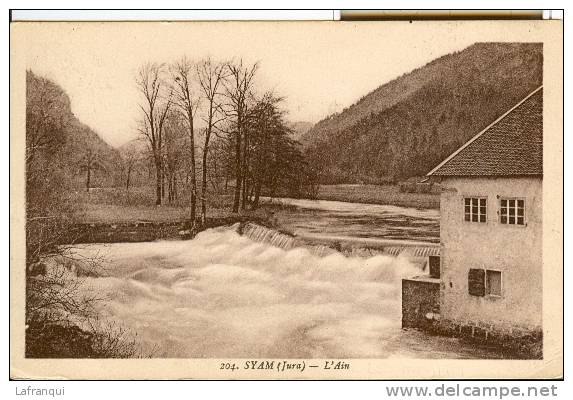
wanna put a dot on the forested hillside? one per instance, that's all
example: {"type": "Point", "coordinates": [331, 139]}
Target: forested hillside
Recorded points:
{"type": "Point", "coordinates": [299, 129]}
{"type": "Point", "coordinates": [407, 126]}
{"type": "Point", "coordinates": [80, 149]}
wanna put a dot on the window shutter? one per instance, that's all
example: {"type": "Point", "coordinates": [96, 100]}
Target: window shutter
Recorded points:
{"type": "Point", "coordinates": [434, 263]}
{"type": "Point", "coordinates": [476, 282]}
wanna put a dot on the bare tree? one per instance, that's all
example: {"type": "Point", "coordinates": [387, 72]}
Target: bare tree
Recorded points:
{"type": "Point", "coordinates": [155, 108]}
{"type": "Point", "coordinates": [210, 76]}
{"type": "Point", "coordinates": [239, 91]}
{"type": "Point", "coordinates": [89, 163]}
{"type": "Point", "coordinates": [174, 145]}
{"type": "Point", "coordinates": [187, 104]}
{"type": "Point", "coordinates": [130, 161]}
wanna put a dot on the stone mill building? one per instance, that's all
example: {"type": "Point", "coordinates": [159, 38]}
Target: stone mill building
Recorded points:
{"type": "Point", "coordinates": [487, 282]}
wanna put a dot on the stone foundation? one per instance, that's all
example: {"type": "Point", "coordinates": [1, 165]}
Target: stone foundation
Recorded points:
{"type": "Point", "coordinates": [514, 341]}
{"type": "Point", "coordinates": [421, 310]}
{"type": "Point", "coordinates": [124, 232]}
{"type": "Point", "coordinates": [420, 302]}
{"type": "Point", "coordinates": [142, 231]}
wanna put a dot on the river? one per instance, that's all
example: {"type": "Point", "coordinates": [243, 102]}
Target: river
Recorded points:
{"type": "Point", "coordinates": [225, 295]}
{"type": "Point", "coordinates": [324, 219]}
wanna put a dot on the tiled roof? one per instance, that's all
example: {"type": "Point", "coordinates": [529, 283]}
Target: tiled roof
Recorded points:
{"type": "Point", "coordinates": [511, 146]}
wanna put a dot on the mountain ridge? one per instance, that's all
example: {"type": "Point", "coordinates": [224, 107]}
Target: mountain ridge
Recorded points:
{"type": "Point", "coordinates": [79, 137]}
{"type": "Point", "coordinates": [405, 127]}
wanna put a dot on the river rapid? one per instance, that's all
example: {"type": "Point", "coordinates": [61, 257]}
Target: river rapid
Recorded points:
{"type": "Point", "coordinates": [225, 295]}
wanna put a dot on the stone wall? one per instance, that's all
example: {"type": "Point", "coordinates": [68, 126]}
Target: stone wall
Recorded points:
{"type": "Point", "coordinates": [142, 231]}
{"type": "Point", "coordinates": [518, 342]}
{"type": "Point", "coordinates": [421, 310]}
{"type": "Point", "coordinates": [420, 302]}
{"type": "Point", "coordinates": [123, 232]}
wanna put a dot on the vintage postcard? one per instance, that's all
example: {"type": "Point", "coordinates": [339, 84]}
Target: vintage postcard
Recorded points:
{"type": "Point", "coordinates": [286, 200]}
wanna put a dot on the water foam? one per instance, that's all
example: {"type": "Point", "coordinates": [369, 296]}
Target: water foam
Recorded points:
{"type": "Point", "coordinates": [225, 295]}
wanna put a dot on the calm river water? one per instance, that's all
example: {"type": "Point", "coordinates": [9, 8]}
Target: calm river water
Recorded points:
{"type": "Point", "coordinates": [368, 222]}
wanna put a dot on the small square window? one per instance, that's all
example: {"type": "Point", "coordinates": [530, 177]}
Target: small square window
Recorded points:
{"type": "Point", "coordinates": [512, 211]}
{"type": "Point", "coordinates": [493, 283]}
{"type": "Point", "coordinates": [475, 209]}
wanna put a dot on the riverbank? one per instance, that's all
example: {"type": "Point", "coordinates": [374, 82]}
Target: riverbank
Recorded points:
{"type": "Point", "coordinates": [378, 194]}
{"type": "Point", "coordinates": [102, 217]}
{"type": "Point", "coordinates": [108, 215]}
{"type": "Point", "coordinates": [145, 231]}
{"type": "Point", "coordinates": [112, 205]}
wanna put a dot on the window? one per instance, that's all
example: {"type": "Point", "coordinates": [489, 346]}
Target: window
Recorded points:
{"type": "Point", "coordinates": [512, 211]}
{"type": "Point", "coordinates": [493, 283]}
{"type": "Point", "coordinates": [484, 282]}
{"type": "Point", "coordinates": [434, 266]}
{"type": "Point", "coordinates": [475, 209]}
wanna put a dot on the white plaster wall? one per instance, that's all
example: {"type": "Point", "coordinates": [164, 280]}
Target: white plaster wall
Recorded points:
{"type": "Point", "coordinates": [513, 249]}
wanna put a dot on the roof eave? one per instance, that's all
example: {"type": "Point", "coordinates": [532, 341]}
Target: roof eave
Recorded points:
{"type": "Point", "coordinates": [488, 176]}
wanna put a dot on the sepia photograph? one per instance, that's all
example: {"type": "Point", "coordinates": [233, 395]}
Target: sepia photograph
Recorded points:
{"type": "Point", "coordinates": [325, 199]}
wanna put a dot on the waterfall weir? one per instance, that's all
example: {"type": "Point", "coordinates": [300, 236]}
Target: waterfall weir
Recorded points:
{"type": "Point", "coordinates": [286, 241]}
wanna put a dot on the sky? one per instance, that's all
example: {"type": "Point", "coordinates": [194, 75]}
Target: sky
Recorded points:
{"type": "Point", "coordinates": [320, 67]}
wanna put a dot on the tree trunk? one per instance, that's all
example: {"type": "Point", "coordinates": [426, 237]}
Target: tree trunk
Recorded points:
{"type": "Point", "coordinates": [245, 171]}
{"type": "Point", "coordinates": [204, 187]}
{"type": "Point", "coordinates": [128, 179]}
{"type": "Point", "coordinates": [244, 192]}
{"type": "Point", "coordinates": [238, 173]}
{"type": "Point", "coordinates": [193, 215]}
{"type": "Point", "coordinates": [174, 187]}
{"type": "Point", "coordinates": [255, 204]}
{"type": "Point", "coordinates": [158, 192]}
{"type": "Point", "coordinates": [158, 183]}
{"type": "Point", "coordinates": [88, 178]}
{"type": "Point", "coordinates": [162, 184]}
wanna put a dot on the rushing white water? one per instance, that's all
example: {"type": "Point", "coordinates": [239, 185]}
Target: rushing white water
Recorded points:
{"type": "Point", "coordinates": [260, 233]}
{"type": "Point", "coordinates": [225, 295]}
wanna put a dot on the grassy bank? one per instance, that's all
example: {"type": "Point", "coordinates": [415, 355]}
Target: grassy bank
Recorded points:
{"type": "Point", "coordinates": [113, 205]}
{"type": "Point", "coordinates": [378, 194]}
